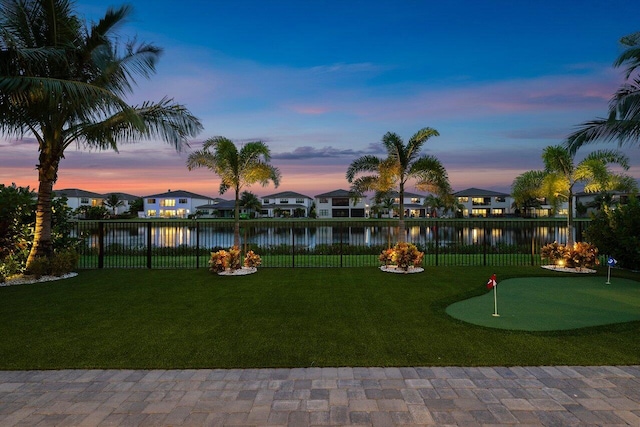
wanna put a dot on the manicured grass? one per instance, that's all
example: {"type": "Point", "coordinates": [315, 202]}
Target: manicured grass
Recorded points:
{"type": "Point", "coordinates": [281, 318]}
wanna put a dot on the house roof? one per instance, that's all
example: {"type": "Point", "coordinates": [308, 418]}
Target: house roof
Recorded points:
{"type": "Point", "coordinates": [221, 204]}
{"type": "Point", "coordinates": [286, 194]}
{"type": "Point", "coordinates": [122, 196]}
{"type": "Point", "coordinates": [76, 192]}
{"type": "Point", "coordinates": [179, 193]}
{"type": "Point", "coordinates": [336, 193]}
{"type": "Point", "coordinates": [479, 192]}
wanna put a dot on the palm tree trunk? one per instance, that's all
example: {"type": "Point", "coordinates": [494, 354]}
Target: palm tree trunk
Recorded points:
{"type": "Point", "coordinates": [42, 243]}
{"type": "Point", "coordinates": [401, 226]}
{"type": "Point", "coordinates": [570, 221]}
{"type": "Point", "coordinates": [236, 222]}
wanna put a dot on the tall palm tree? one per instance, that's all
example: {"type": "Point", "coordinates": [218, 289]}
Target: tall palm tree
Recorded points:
{"type": "Point", "coordinates": [250, 201]}
{"type": "Point", "coordinates": [562, 174]}
{"type": "Point", "coordinates": [64, 82]}
{"type": "Point", "coordinates": [623, 119]}
{"type": "Point", "coordinates": [237, 169]}
{"type": "Point", "coordinates": [403, 162]}
{"type": "Point", "coordinates": [526, 190]}
{"type": "Point", "coordinates": [114, 202]}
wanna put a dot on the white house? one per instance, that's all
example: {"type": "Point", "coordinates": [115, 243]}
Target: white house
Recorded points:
{"type": "Point", "coordinates": [76, 197]}
{"type": "Point", "coordinates": [340, 204]}
{"type": "Point", "coordinates": [174, 204]}
{"type": "Point", "coordinates": [484, 203]}
{"type": "Point", "coordinates": [286, 203]}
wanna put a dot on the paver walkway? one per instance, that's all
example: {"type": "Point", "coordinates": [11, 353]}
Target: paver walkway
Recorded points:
{"type": "Point", "coordinates": [548, 396]}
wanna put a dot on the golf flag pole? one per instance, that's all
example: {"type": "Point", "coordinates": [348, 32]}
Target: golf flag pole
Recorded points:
{"type": "Point", "coordinates": [611, 262]}
{"type": "Point", "coordinates": [493, 284]}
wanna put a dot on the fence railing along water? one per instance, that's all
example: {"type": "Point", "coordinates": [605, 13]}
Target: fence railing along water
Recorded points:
{"type": "Point", "coordinates": [318, 243]}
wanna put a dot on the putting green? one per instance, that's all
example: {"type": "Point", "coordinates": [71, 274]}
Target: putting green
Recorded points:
{"type": "Point", "coordinates": [553, 303]}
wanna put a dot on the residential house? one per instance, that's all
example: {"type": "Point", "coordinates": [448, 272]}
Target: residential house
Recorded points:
{"type": "Point", "coordinates": [174, 204]}
{"type": "Point", "coordinates": [77, 198]}
{"type": "Point", "coordinates": [218, 208]}
{"type": "Point", "coordinates": [477, 202]}
{"type": "Point", "coordinates": [587, 203]}
{"type": "Point", "coordinates": [286, 203]}
{"type": "Point", "coordinates": [340, 204]}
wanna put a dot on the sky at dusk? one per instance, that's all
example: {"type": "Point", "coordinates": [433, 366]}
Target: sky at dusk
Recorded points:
{"type": "Point", "coordinates": [320, 82]}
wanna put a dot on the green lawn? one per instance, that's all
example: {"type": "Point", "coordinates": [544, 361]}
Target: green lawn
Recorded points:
{"type": "Point", "coordinates": [281, 317]}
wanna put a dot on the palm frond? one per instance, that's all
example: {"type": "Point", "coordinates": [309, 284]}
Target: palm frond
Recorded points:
{"type": "Point", "coordinates": [368, 163]}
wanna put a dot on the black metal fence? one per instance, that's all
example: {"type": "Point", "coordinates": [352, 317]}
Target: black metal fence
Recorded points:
{"type": "Point", "coordinates": [318, 243]}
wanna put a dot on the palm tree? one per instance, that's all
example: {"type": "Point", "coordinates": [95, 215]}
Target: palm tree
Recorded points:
{"type": "Point", "coordinates": [562, 174]}
{"type": "Point", "coordinates": [526, 190]}
{"type": "Point", "coordinates": [403, 163]}
{"type": "Point", "coordinates": [250, 201]}
{"type": "Point", "coordinates": [64, 82]}
{"type": "Point", "coordinates": [623, 121]}
{"type": "Point", "coordinates": [237, 169]}
{"type": "Point", "coordinates": [113, 202]}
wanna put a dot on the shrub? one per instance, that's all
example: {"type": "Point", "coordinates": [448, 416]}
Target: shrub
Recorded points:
{"type": "Point", "coordinates": [63, 262]}
{"type": "Point", "coordinates": [403, 254]}
{"type": "Point", "coordinates": [616, 232]}
{"type": "Point", "coordinates": [252, 259]}
{"type": "Point", "coordinates": [228, 260]}
{"type": "Point", "coordinates": [581, 255]}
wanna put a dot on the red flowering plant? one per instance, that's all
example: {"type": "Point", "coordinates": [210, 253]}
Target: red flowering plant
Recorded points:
{"type": "Point", "coordinates": [403, 255]}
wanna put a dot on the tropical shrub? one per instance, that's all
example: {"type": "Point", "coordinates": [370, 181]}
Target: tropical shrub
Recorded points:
{"type": "Point", "coordinates": [580, 255]}
{"type": "Point", "coordinates": [616, 232]}
{"type": "Point", "coordinates": [223, 260]}
{"type": "Point", "coordinates": [252, 259]}
{"type": "Point", "coordinates": [403, 255]}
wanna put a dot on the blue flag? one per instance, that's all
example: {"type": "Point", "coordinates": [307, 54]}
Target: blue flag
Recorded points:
{"type": "Point", "coordinates": [611, 262]}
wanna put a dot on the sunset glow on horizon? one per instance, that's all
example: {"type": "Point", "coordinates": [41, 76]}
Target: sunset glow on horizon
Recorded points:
{"type": "Point", "coordinates": [321, 82]}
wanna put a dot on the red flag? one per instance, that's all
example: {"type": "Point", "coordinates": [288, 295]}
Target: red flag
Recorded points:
{"type": "Point", "coordinates": [492, 283]}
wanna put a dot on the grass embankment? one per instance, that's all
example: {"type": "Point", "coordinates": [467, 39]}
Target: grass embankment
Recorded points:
{"type": "Point", "coordinates": [280, 318]}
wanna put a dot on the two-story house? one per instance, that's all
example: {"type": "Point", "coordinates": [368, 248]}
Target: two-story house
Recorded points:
{"type": "Point", "coordinates": [340, 204]}
{"type": "Point", "coordinates": [477, 202]}
{"type": "Point", "coordinates": [125, 205]}
{"type": "Point", "coordinates": [77, 198]}
{"type": "Point", "coordinates": [287, 204]}
{"type": "Point", "coordinates": [174, 204]}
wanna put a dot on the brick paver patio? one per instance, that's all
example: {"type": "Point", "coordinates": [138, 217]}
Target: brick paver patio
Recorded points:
{"type": "Point", "coordinates": [456, 396]}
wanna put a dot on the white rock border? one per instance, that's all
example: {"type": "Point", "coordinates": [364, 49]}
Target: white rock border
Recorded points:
{"type": "Point", "coordinates": [395, 269]}
{"type": "Point", "coordinates": [568, 270]}
{"type": "Point", "coordinates": [242, 271]}
{"type": "Point", "coordinates": [28, 280]}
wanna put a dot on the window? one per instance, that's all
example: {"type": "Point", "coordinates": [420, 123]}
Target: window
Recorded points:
{"type": "Point", "coordinates": [284, 201]}
{"type": "Point", "coordinates": [265, 201]}
{"type": "Point", "coordinates": [463, 199]}
{"type": "Point", "coordinates": [151, 202]}
{"type": "Point", "coordinates": [324, 212]}
{"type": "Point", "coordinates": [497, 212]}
{"type": "Point", "coordinates": [84, 200]}
{"type": "Point", "coordinates": [151, 212]}
{"type": "Point", "coordinates": [476, 201]}
{"type": "Point", "coordinates": [182, 201]}
{"type": "Point", "coordinates": [415, 200]}
{"type": "Point", "coordinates": [479, 212]}
{"type": "Point", "coordinates": [500, 199]}
{"type": "Point", "coordinates": [300, 201]}
{"type": "Point", "coordinates": [168, 202]}
{"type": "Point", "coordinates": [96, 202]}
{"type": "Point", "coordinates": [340, 213]}
{"type": "Point", "coordinates": [323, 200]}
{"type": "Point", "coordinates": [340, 201]}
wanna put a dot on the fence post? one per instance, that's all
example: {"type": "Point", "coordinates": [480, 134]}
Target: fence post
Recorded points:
{"type": "Point", "coordinates": [101, 245]}
{"type": "Point", "coordinates": [197, 244]}
{"type": "Point", "coordinates": [436, 229]}
{"type": "Point", "coordinates": [341, 225]}
{"type": "Point", "coordinates": [533, 246]}
{"type": "Point", "coordinates": [293, 247]}
{"type": "Point", "coordinates": [149, 245]}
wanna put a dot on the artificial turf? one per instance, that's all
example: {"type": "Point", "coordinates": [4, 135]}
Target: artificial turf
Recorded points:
{"type": "Point", "coordinates": [553, 303]}
{"type": "Point", "coordinates": [281, 317]}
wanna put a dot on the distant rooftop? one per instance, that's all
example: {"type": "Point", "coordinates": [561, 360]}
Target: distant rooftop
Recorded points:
{"type": "Point", "coordinates": [471, 192]}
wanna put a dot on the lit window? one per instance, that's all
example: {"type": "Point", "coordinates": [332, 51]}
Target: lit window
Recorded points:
{"type": "Point", "coordinates": [415, 200]}
{"type": "Point", "coordinates": [481, 201]}
{"type": "Point", "coordinates": [500, 199]}
{"type": "Point", "coordinates": [168, 202]}
{"type": "Point", "coordinates": [463, 199]}
{"type": "Point", "coordinates": [151, 212]}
